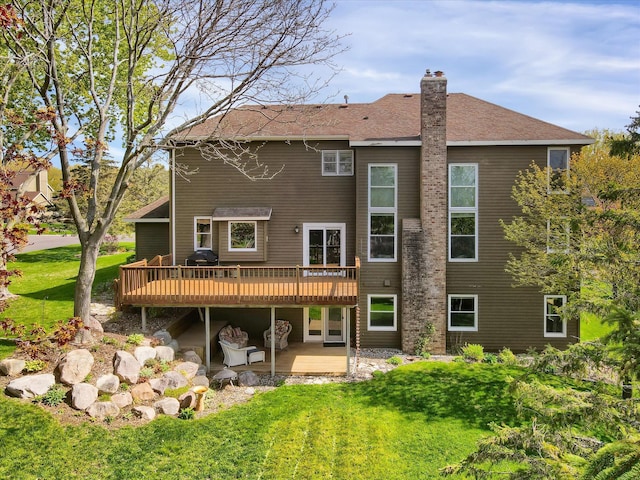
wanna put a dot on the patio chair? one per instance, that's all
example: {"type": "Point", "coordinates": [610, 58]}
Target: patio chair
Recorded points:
{"type": "Point", "coordinates": [283, 329]}
{"type": "Point", "coordinates": [234, 335]}
{"type": "Point", "coordinates": [235, 356]}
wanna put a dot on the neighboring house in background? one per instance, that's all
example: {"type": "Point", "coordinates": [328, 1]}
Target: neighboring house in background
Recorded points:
{"type": "Point", "coordinates": [35, 187]}
{"type": "Point", "coordinates": [414, 185]}
{"type": "Point", "coordinates": [151, 229]}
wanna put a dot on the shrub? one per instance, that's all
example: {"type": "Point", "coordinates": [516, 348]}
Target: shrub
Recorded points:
{"type": "Point", "coordinates": [110, 341]}
{"type": "Point", "coordinates": [145, 374]}
{"type": "Point", "coordinates": [32, 366]}
{"type": "Point", "coordinates": [187, 414]}
{"type": "Point", "coordinates": [490, 358]}
{"type": "Point", "coordinates": [395, 360]}
{"type": "Point", "coordinates": [135, 339]}
{"type": "Point", "coordinates": [124, 387]}
{"type": "Point", "coordinates": [54, 397]}
{"type": "Point", "coordinates": [507, 357]}
{"type": "Point", "coordinates": [473, 352]}
{"type": "Point", "coordinates": [423, 343]}
{"type": "Point", "coordinates": [176, 392]}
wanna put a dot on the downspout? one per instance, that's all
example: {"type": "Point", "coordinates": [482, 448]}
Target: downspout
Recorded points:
{"type": "Point", "coordinates": [273, 341]}
{"type": "Point", "coordinates": [172, 207]}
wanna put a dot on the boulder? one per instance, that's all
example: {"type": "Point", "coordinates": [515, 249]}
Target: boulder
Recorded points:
{"type": "Point", "coordinates": [126, 367]}
{"type": "Point", "coordinates": [159, 384]}
{"type": "Point", "coordinates": [175, 380]}
{"type": "Point", "coordinates": [248, 379]}
{"type": "Point", "coordinates": [142, 393]}
{"type": "Point", "coordinates": [167, 406]}
{"type": "Point", "coordinates": [166, 354]}
{"type": "Point", "coordinates": [94, 325]}
{"type": "Point", "coordinates": [191, 356]}
{"type": "Point", "coordinates": [31, 386]}
{"type": "Point", "coordinates": [12, 366]}
{"type": "Point", "coordinates": [188, 369]}
{"type": "Point", "coordinates": [143, 354]}
{"type": "Point", "coordinates": [102, 410]}
{"type": "Point", "coordinates": [202, 370]}
{"type": "Point", "coordinates": [83, 395]}
{"type": "Point", "coordinates": [145, 413]}
{"type": "Point", "coordinates": [163, 337]}
{"type": "Point", "coordinates": [75, 366]}
{"type": "Point", "coordinates": [123, 399]}
{"type": "Point", "coordinates": [108, 383]}
{"type": "Point", "coordinates": [174, 345]}
{"type": "Point", "coordinates": [200, 380]}
{"type": "Point", "coordinates": [187, 400]}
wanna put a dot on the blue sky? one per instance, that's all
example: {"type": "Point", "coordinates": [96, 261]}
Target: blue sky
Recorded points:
{"type": "Point", "coordinates": [575, 64]}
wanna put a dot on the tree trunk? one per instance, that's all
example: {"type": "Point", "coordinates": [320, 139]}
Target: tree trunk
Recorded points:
{"type": "Point", "coordinates": [627, 388]}
{"type": "Point", "coordinates": [86, 275]}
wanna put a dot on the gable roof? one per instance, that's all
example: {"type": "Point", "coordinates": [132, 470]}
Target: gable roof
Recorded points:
{"type": "Point", "coordinates": [155, 212]}
{"type": "Point", "coordinates": [391, 120]}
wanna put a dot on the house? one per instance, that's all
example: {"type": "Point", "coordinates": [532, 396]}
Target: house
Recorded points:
{"type": "Point", "coordinates": [402, 195]}
{"type": "Point", "coordinates": [33, 185]}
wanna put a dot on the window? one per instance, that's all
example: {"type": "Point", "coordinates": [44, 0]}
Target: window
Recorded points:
{"type": "Point", "coordinates": [382, 312]}
{"type": "Point", "coordinates": [463, 313]}
{"type": "Point", "coordinates": [382, 212]}
{"type": "Point", "coordinates": [558, 169]}
{"type": "Point", "coordinates": [202, 233]}
{"type": "Point", "coordinates": [337, 162]}
{"type": "Point", "coordinates": [242, 236]}
{"type": "Point", "coordinates": [554, 325]}
{"type": "Point", "coordinates": [558, 235]}
{"type": "Point", "coordinates": [463, 212]}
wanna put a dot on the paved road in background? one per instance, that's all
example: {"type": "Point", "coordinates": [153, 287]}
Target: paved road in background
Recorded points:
{"type": "Point", "coordinates": [43, 242]}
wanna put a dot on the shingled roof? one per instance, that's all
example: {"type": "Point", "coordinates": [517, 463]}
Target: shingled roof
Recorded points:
{"type": "Point", "coordinates": [157, 211]}
{"type": "Point", "coordinates": [392, 119]}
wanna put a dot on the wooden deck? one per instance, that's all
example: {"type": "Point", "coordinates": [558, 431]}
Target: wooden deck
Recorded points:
{"type": "Point", "coordinates": [144, 285]}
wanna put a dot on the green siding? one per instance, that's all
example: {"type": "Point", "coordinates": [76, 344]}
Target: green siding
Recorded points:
{"type": "Point", "coordinates": [152, 239]}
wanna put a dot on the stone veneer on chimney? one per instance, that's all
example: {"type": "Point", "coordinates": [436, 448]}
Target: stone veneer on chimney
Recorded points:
{"type": "Point", "coordinates": [424, 242]}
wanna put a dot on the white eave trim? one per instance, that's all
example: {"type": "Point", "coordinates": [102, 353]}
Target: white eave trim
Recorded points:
{"type": "Point", "coordinates": [488, 143]}
{"type": "Point", "coordinates": [386, 143]}
{"type": "Point", "coordinates": [279, 138]}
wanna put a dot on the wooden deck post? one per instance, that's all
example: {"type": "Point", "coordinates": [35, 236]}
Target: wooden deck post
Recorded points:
{"type": "Point", "coordinates": [348, 343]}
{"type": "Point", "coordinates": [143, 315]}
{"type": "Point", "coordinates": [273, 341]}
{"type": "Point", "coordinates": [207, 339]}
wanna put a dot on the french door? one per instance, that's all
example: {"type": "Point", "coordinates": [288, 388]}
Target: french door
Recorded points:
{"type": "Point", "coordinates": [324, 244]}
{"type": "Point", "coordinates": [325, 324]}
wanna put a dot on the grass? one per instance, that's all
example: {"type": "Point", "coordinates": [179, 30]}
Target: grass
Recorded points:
{"type": "Point", "coordinates": [592, 327]}
{"type": "Point", "coordinates": [408, 423]}
{"type": "Point", "coordinates": [46, 287]}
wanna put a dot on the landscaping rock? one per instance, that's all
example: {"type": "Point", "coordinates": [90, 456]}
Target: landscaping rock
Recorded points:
{"type": "Point", "coordinates": [126, 367]}
{"type": "Point", "coordinates": [163, 337]}
{"type": "Point", "coordinates": [102, 410]}
{"type": "Point", "coordinates": [175, 380]}
{"type": "Point", "coordinates": [75, 366]}
{"type": "Point", "coordinates": [202, 370]}
{"type": "Point", "coordinates": [108, 383]}
{"type": "Point", "coordinates": [166, 354]}
{"type": "Point", "coordinates": [188, 369]}
{"type": "Point", "coordinates": [83, 395]}
{"type": "Point", "coordinates": [94, 325]}
{"type": "Point", "coordinates": [167, 406]}
{"type": "Point", "coordinates": [90, 333]}
{"type": "Point", "coordinates": [159, 384]}
{"type": "Point", "coordinates": [187, 400]}
{"type": "Point", "coordinates": [11, 366]}
{"type": "Point", "coordinates": [142, 393]}
{"type": "Point", "coordinates": [145, 413]}
{"type": "Point", "coordinates": [122, 400]}
{"type": "Point", "coordinates": [31, 386]}
{"type": "Point", "coordinates": [191, 356]}
{"type": "Point", "coordinates": [174, 345]}
{"type": "Point", "coordinates": [143, 354]}
{"type": "Point", "coordinates": [250, 391]}
{"type": "Point", "coordinates": [248, 379]}
{"type": "Point", "coordinates": [200, 380]}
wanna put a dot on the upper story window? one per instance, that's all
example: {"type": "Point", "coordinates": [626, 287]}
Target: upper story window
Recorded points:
{"type": "Point", "coordinates": [202, 233]}
{"type": "Point", "coordinates": [558, 235]}
{"type": "Point", "coordinates": [337, 162]}
{"type": "Point", "coordinates": [463, 212]}
{"type": "Point", "coordinates": [558, 169]}
{"type": "Point", "coordinates": [554, 325]}
{"type": "Point", "coordinates": [382, 212]}
{"type": "Point", "coordinates": [242, 236]}
{"type": "Point", "coordinates": [463, 313]}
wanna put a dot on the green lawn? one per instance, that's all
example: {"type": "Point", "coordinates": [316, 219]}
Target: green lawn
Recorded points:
{"type": "Point", "coordinates": [47, 283]}
{"type": "Point", "coordinates": [406, 424]}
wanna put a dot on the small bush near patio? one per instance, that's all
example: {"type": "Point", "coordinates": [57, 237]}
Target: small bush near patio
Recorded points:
{"type": "Point", "coordinates": [472, 352]}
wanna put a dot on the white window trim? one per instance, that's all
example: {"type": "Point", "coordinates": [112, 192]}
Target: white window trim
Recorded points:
{"type": "Point", "coordinates": [565, 220]}
{"type": "Point", "coordinates": [324, 226]}
{"type": "Point", "coordinates": [196, 233]}
{"type": "Point", "coordinates": [388, 210]}
{"type": "Point", "coordinates": [394, 328]}
{"type": "Point", "coordinates": [549, 149]}
{"type": "Point", "coordinates": [255, 233]}
{"type": "Point", "coordinates": [452, 328]}
{"type": "Point", "coordinates": [337, 173]}
{"type": "Point", "coordinates": [473, 210]}
{"type": "Point", "coordinates": [562, 334]}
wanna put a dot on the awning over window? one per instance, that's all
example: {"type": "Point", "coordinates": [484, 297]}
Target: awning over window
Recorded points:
{"type": "Point", "coordinates": [241, 213]}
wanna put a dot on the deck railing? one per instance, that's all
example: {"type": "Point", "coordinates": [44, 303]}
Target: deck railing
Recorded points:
{"type": "Point", "coordinates": [144, 284]}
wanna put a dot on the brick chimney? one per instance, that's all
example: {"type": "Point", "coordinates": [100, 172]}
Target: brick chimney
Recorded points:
{"type": "Point", "coordinates": [425, 241]}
